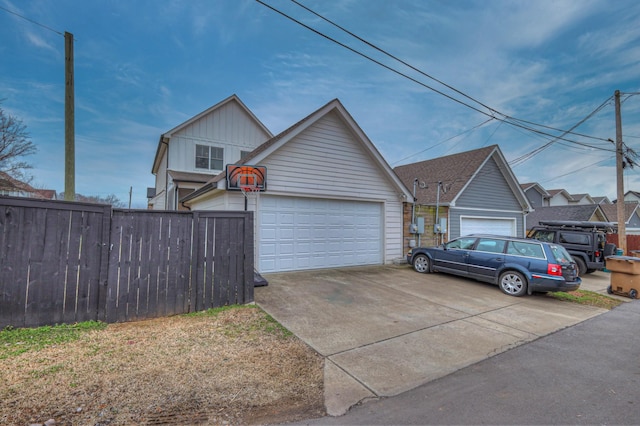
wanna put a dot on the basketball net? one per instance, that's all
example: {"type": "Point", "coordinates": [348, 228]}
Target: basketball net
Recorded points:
{"type": "Point", "coordinates": [248, 185]}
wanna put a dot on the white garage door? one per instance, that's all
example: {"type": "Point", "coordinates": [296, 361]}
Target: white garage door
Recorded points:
{"type": "Point", "coordinates": [308, 233]}
{"type": "Point", "coordinates": [475, 225]}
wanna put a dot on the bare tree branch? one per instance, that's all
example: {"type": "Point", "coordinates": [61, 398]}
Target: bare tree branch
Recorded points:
{"type": "Point", "coordinates": [14, 145]}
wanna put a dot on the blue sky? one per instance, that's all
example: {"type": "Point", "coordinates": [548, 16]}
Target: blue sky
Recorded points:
{"type": "Point", "coordinates": [143, 67]}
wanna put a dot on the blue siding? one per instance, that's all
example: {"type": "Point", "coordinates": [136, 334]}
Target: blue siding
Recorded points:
{"type": "Point", "coordinates": [489, 190]}
{"type": "Point", "coordinates": [535, 198]}
{"type": "Point", "coordinates": [487, 196]}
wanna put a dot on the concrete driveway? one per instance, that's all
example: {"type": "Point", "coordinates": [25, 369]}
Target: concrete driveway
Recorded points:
{"type": "Point", "coordinates": [386, 329]}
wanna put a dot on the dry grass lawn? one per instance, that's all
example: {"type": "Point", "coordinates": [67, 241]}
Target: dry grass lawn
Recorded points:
{"type": "Point", "coordinates": [234, 366]}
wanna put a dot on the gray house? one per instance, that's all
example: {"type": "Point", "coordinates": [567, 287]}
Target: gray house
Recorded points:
{"type": "Point", "coordinates": [470, 192]}
{"type": "Point", "coordinates": [537, 195]}
{"type": "Point", "coordinates": [632, 215]}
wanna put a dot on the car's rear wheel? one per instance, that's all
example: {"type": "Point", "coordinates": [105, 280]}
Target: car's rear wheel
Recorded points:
{"type": "Point", "coordinates": [582, 267]}
{"type": "Point", "coordinates": [633, 293]}
{"type": "Point", "coordinates": [421, 264]}
{"type": "Point", "coordinates": [513, 283]}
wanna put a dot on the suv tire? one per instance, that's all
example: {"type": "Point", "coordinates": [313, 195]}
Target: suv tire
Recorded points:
{"type": "Point", "coordinates": [582, 267]}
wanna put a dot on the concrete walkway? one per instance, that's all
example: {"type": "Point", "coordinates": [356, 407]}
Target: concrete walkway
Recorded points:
{"type": "Point", "coordinates": [384, 330]}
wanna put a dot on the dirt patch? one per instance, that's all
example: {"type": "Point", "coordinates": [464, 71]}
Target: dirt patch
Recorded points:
{"type": "Point", "coordinates": [237, 367]}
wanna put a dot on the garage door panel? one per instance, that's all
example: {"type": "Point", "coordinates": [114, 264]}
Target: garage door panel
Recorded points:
{"type": "Point", "coordinates": [305, 233]}
{"type": "Point", "coordinates": [497, 226]}
{"type": "Point", "coordinates": [286, 233]}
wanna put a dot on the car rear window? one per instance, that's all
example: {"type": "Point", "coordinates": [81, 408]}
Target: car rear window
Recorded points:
{"type": "Point", "coordinates": [521, 248]}
{"type": "Point", "coordinates": [560, 254]}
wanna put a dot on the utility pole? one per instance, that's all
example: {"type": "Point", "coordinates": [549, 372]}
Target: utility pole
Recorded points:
{"type": "Point", "coordinates": [622, 231]}
{"type": "Point", "coordinates": [69, 122]}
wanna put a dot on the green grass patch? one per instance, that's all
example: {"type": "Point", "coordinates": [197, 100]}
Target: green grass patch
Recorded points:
{"type": "Point", "coordinates": [14, 341]}
{"type": "Point", "coordinates": [214, 312]}
{"type": "Point", "coordinates": [267, 324]}
{"type": "Point", "coordinates": [585, 297]}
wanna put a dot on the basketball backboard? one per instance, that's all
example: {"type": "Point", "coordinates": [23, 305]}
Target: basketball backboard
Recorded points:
{"type": "Point", "coordinates": [241, 176]}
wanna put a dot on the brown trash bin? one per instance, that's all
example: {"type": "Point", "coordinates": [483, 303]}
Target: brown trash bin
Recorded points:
{"type": "Point", "coordinates": [625, 275]}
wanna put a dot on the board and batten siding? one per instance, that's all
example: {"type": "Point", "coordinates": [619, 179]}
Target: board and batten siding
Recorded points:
{"type": "Point", "coordinates": [327, 161]}
{"type": "Point", "coordinates": [228, 127]}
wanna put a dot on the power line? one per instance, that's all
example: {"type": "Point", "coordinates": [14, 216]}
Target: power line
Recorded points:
{"type": "Point", "coordinates": [577, 170]}
{"type": "Point", "coordinates": [518, 123]}
{"type": "Point", "coordinates": [536, 151]}
{"type": "Point", "coordinates": [492, 110]}
{"type": "Point", "coordinates": [443, 141]}
{"type": "Point", "coordinates": [32, 21]}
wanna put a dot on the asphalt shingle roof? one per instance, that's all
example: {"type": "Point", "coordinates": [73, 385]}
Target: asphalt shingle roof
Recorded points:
{"type": "Point", "coordinates": [454, 171]}
{"type": "Point", "coordinates": [579, 212]}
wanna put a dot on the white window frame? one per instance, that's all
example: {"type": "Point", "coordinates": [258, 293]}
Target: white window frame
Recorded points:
{"type": "Point", "coordinates": [212, 161]}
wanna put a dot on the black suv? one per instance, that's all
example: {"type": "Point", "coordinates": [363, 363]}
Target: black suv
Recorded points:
{"type": "Point", "coordinates": [585, 241]}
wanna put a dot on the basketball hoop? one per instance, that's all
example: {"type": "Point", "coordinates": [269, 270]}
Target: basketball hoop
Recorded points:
{"type": "Point", "coordinates": [250, 190]}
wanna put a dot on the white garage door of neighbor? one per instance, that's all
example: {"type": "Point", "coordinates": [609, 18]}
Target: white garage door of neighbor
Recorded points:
{"type": "Point", "coordinates": [475, 225]}
{"type": "Point", "coordinates": [310, 233]}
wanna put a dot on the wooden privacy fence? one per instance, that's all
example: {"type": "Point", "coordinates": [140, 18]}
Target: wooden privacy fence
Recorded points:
{"type": "Point", "coordinates": [66, 262]}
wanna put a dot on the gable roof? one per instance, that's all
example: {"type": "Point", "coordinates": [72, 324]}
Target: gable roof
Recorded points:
{"type": "Point", "coordinates": [165, 137]}
{"type": "Point", "coordinates": [577, 197]}
{"type": "Point", "coordinates": [611, 211]}
{"type": "Point", "coordinates": [580, 212]}
{"type": "Point", "coordinates": [601, 200]}
{"type": "Point", "coordinates": [272, 145]}
{"type": "Point", "coordinates": [455, 171]}
{"type": "Point", "coordinates": [564, 192]}
{"type": "Point", "coordinates": [536, 186]}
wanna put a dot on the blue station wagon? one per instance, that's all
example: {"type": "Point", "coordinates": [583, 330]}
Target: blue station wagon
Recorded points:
{"type": "Point", "coordinates": [518, 266]}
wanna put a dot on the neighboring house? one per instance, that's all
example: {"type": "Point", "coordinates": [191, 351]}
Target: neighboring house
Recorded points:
{"type": "Point", "coordinates": [579, 212]}
{"type": "Point", "coordinates": [539, 197]}
{"type": "Point", "coordinates": [581, 199]}
{"type": "Point", "coordinates": [601, 200]}
{"type": "Point", "coordinates": [193, 152]}
{"type": "Point", "coordinates": [536, 194]}
{"type": "Point", "coordinates": [331, 198]}
{"type": "Point", "coordinates": [15, 188]}
{"type": "Point", "coordinates": [632, 196]}
{"type": "Point", "coordinates": [559, 197]}
{"type": "Point", "coordinates": [474, 192]}
{"type": "Point", "coordinates": [632, 216]}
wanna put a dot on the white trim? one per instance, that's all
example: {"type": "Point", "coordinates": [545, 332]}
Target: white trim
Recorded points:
{"type": "Point", "coordinates": [487, 210]}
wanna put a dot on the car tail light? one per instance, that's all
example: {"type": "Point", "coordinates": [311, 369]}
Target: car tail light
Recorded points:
{"type": "Point", "coordinates": [553, 269]}
{"type": "Point", "coordinates": [597, 253]}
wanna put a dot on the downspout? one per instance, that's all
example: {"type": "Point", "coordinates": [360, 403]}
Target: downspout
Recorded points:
{"type": "Point", "coordinates": [437, 213]}
{"type": "Point", "coordinates": [413, 209]}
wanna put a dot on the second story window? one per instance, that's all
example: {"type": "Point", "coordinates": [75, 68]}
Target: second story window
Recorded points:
{"type": "Point", "coordinates": [209, 157]}
{"type": "Point", "coordinates": [244, 154]}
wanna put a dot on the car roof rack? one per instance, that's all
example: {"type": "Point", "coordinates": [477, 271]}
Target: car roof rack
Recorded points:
{"type": "Point", "coordinates": [580, 224]}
